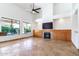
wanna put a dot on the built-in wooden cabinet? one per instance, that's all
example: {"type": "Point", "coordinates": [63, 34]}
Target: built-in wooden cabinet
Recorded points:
{"type": "Point", "coordinates": [62, 35]}
{"type": "Point", "coordinates": [56, 34]}
{"type": "Point", "coordinates": [37, 33]}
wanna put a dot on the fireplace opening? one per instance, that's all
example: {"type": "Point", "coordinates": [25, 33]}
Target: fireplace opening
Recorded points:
{"type": "Point", "coordinates": [47, 35]}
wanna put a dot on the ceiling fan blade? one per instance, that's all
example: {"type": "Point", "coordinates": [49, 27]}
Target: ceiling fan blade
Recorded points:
{"type": "Point", "coordinates": [37, 9]}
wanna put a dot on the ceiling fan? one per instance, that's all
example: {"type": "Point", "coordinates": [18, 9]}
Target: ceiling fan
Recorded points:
{"type": "Point", "coordinates": [35, 9]}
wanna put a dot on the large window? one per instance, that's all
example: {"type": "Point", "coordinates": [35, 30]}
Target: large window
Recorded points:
{"type": "Point", "coordinates": [12, 26]}
{"type": "Point", "coordinates": [27, 27]}
{"type": "Point", "coordinates": [16, 27]}
{"type": "Point", "coordinates": [5, 27]}
{"type": "Point", "coordinates": [9, 26]}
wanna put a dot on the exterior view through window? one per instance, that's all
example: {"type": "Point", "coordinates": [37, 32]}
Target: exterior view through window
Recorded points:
{"type": "Point", "coordinates": [9, 26]}
{"type": "Point", "coordinates": [27, 27]}
{"type": "Point", "coordinates": [12, 26]}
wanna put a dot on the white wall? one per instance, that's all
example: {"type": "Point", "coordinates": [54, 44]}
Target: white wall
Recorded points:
{"type": "Point", "coordinates": [46, 15]}
{"type": "Point", "coordinates": [62, 8]}
{"type": "Point", "coordinates": [59, 10]}
{"type": "Point", "coordinates": [47, 11]}
{"type": "Point", "coordinates": [75, 26]}
{"type": "Point", "coordinates": [62, 23]}
{"type": "Point", "coordinates": [58, 24]}
{"type": "Point", "coordinates": [12, 11]}
{"type": "Point", "coordinates": [75, 38]}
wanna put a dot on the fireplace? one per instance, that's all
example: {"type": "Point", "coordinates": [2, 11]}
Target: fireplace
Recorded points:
{"type": "Point", "coordinates": [47, 35]}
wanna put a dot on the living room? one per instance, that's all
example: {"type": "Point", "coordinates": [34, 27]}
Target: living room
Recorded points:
{"type": "Point", "coordinates": [27, 29]}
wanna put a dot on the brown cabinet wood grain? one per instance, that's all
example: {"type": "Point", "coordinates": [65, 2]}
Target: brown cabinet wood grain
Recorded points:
{"type": "Point", "coordinates": [37, 33]}
{"type": "Point", "coordinates": [57, 34]}
{"type": "Point", "coordinates": [62, 35]}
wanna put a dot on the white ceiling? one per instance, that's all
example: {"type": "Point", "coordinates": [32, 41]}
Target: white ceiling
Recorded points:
{"type": "Point", "coordinates": [25, 6]}
{"type": "Point", "coordinates": [28, 6]}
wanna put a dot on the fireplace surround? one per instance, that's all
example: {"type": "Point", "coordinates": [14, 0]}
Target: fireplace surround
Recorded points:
{"type": "Point", "coordinates": [47, 35]}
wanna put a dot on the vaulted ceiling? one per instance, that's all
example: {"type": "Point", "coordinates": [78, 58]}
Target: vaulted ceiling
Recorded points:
{"type": "Point", "coordinates": [27, 6]}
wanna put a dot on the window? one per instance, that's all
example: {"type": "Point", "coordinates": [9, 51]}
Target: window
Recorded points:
{"type": "Point", "coordinates": [12, 26]}
{"type": "Point", "coordinates": [5, 27]}
{"type": "Point", "coordinates": [9, 26]}
{"type": "Point", "coordinates": [27, 27]}
{"type": "Point", "coordinates": [15, 27]}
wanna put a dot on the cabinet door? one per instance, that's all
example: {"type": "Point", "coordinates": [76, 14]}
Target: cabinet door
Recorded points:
{"type": "Point", "coordinates": [59, 34]}
{"type": "Point", "coordinates": [68, 35]}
